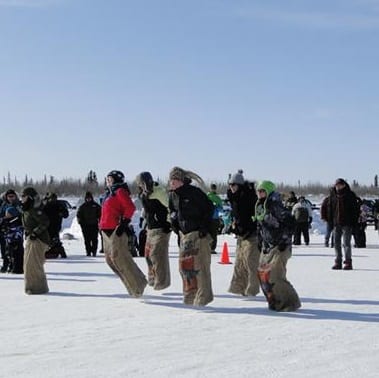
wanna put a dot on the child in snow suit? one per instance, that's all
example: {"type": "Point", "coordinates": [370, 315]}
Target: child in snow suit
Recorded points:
{"type": "Point", "coordinates": [13, 232]}
{"type": "Point", "coordinates": [275, 226]}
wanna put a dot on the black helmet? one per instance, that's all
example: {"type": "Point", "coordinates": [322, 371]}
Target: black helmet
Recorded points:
{"type": "Point", "coordinates": [29, 192]}
{"type": "Point", "coordinates": [145, 181]}
{"type": "Point", "coordinates": [118, 176]}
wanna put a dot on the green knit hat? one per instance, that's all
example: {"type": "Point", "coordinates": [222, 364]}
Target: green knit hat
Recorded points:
{"type": "Point", "coordinates": [267, 186]}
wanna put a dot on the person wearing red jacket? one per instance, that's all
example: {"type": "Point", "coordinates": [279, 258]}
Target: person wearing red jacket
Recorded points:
{"type": "Point", "coordinates": [116, 213]}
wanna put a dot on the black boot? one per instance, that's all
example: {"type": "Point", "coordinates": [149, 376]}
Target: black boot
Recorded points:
{"type": "Point", "coordinates": [62, 253]}
{"type": "Point", "coordinates": [337, 264]}
{"type": "Point", "coordinates": [347, 265]}
{"type": "Point", "coordinates": [4, 269]}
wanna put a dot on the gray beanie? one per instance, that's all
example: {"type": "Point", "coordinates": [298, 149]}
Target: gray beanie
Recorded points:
{"type": "Point", "coordinates": [237, 178]}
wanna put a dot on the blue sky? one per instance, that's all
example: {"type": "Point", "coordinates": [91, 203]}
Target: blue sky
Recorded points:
{"type": "Point", "coordinates": [285, 90]}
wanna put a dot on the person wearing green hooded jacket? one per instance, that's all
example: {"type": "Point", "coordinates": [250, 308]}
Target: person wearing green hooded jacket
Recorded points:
{"type": "Point", "coordinates": [37, 240]}
{"type": "Point", "coordinates": [215, 223]}
{"type": "Point", "coordinates": [275, 229]}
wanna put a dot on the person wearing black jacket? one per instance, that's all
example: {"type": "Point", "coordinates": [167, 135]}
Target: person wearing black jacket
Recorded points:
{"type": "Point", "coordinates": [154, 200]}
{"type": "Point", "coordinates": [343, 211]}
{"type": "Point", "coordinates": [88, 216]}
{"type": "Point", "coordinates": [242, 197]}
{"type": "Point", "coordinates": [55, 211]}
{"type": "Point", "coordinates": [191, 215]}
{"type": "Point", "coordinates": [324, 214]}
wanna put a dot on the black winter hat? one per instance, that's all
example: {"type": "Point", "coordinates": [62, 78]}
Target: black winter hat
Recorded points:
{"type": "Point", "coordinates": [118, 176]}
{"type": "Point", "coordinates": [340, 181]}
{"type": "Point", "coordinates": [88, 195]}
{"type": "Point", "coordinates": [29, 192]}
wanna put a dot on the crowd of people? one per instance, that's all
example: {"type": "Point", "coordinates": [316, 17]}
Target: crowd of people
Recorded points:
{"type": "Point", "coordinates": [265, 225]}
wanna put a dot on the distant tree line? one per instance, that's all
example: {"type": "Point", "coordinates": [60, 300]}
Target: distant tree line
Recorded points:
{"type": "Point", "coordinates": [77, 187]}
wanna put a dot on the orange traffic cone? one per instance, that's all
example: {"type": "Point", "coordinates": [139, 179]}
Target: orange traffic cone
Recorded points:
{"type": "Point", "coordinates": [225, 255]}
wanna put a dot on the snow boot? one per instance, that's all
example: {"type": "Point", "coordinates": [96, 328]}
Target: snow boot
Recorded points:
{"type": "Point", "coordinates": [347, 265]}
{"type": "Point", "coordinates": [337, 265]}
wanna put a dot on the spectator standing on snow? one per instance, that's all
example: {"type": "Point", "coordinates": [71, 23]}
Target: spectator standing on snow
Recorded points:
{"type": "Point", "coordinates": [88, 216]}
{"type": "Point", "coordinates": [359, 233]}
{"type": "Point", "coordinates": [275, 225]}
{"type": "Point", "coordinates": [302, 213]}
{"type": "Point", "coordinates": [242, 197]}
{"type": "Point", "coordinates": [56, 212]}
{"type": "Point", "coordinates": [290, 201]}
{"type": "Point", "coordinates": [215, 223]}
{"type": "Point", "coordinates": [2, 236]}
{"type": "Point", "coordinates": [191, 214]}
{"type": "Point", "coordinates": [11, 227]}
{"type": "Point", "coordinates": [329, 222]}
{"type": "Point", "coordinates": [343, 210]}
{"type": "Point", "coordinates": [154, 200]}
{"type": "Point", "coordinates": [116, 213]}
{"type": "Point", "coordinates": [37, 241]}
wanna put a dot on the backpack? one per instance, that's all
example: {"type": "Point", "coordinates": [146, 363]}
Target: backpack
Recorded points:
{"type": "Point", "coordinates": [301, 214]}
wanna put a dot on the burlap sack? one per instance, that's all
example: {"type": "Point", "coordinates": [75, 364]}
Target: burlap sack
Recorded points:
{"type": "Point", "coordinates": [119, 259]}
{"type": "Point", "coordinates": [34, 273]}
{"type": "Point", "coordinates": [156, 253]}
{"type": "Point", "coordinates": [195, 268]}
{"type": "Point", "coordinates": [245, 280]}
{"type": "Point", "coordinates": [280, 294]}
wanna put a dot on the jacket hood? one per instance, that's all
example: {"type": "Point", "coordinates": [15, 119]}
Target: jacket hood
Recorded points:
{"type": "Point", "coordinates": [267, 186]}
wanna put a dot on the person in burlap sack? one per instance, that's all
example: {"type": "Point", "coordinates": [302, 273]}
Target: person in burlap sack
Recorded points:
{"type": "Point", "coordinates": [116, 213]}
{"type": "Point", "coordinates": [242, 197]}
{"type": "Point", "coordinates": [37, 240]}
{"type": "Point", "coordinates": [191, 214]}
{"type": "Point", "coordinates": [275, 227]}
{"type": "Point", "coordinates": [154, 200]}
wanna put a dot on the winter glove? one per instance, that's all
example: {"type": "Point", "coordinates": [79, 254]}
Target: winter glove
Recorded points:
{"type": "Point", "coordinates": [282, 246]}
{"type": "Point", "coordinates": [33, 236]}
{"type": "Point", "coordinates": [122, 227]}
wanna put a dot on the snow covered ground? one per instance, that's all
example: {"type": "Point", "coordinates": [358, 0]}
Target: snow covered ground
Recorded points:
{"type": "Point", "coordinates": [87, 326]}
